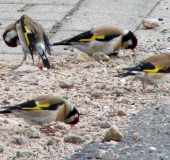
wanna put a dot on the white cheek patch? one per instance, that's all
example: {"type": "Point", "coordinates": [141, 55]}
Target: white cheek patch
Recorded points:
{"type": "Point", "coordinates": [129, 42]}
{"type": "Point", "coordinates": [18, 42]}
{"type": "Point", "coordinates": [76, 115]}
{"type": "Point", "coordinates": [11, 34]}
{"type": "Point", "coordinates": [125, 32]}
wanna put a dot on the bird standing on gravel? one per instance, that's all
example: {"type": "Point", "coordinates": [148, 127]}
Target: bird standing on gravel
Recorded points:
{"type": "Point", "coordinates": [153, 70]}
{"type": "Point", "coordinates": [31, 36]}
{"type": "Point", "coordinates": [45, 109]}
{"type": "Point", "coordinates": [105, 39]}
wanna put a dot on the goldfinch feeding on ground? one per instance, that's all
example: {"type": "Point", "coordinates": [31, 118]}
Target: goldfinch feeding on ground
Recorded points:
{"type": "Point", "coordinates": [43, 110]}
{"type": "Point", "coordinates": [105, 39]}
{"type": "Point", "coordinates": [31, 36]}
{"type": "Point", "coordinates": [153, 70]}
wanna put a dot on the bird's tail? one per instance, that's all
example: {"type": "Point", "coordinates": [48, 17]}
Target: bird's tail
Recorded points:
{"type": "Point", "coordinates": [125, 74]}
{"type": "Point", "coordinates": [61, 43]}
{"type": "Point", "coordinates": [45, 60]}
{"type": "Point", "coordinates": [5, 111]}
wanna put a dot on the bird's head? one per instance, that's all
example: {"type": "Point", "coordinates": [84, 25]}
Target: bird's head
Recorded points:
{"type": "Point", "coordinates": [10, 36]}
{"type": "Point", "coordinates": [129, 40]}
{"type": "Point", "coordinates": [73, 117]}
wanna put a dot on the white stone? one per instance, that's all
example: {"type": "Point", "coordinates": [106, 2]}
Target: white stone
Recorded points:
{"type": "Point", "coordinates": [26, 69]}
{"type": "Point", "coordinates": [30, 78]}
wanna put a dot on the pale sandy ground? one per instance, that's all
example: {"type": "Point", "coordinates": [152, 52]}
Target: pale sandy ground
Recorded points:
{"type": "Point", "coordinates": [89, 78]}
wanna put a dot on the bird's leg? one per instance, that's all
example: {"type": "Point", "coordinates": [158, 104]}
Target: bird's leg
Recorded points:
{"type": "Point", "coordinates": [160, 88]}
{"type": "Point", "coordinates": [48, 128]}
{"type": "Point", "coordinates": [143, 87]}
{"type": "Point", "coordinates": [74, 129]}
{"type": "Point", "coordinates": [13, 68]}
{"type": "Point", "coordinates": [38, 61]}
{"type": "Point", "coordinates": [24, 58]}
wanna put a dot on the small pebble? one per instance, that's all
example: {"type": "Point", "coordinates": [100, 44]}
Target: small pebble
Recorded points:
{"type": "Point", "coordinates": [100, 154]}
{"type": "Point", "coordinates": [87, 100]}
{"type": "Point", "coordinates": [104, 124]}
{"type": "Point", "coordinates": [21, 140]}
{"type": "Point", "coordinates": [50, 142]}
{"type": "Point", "coordinates": [113, 111]}
{"type": "Point", "coordinates": [136, 136]}
{"type": "Point", "coordinates": [6, 89]}
{"type": "Point", "coordinates": [151, 149]}
{"type": "Point", "coordinates": [121, 112]}
{"type": "Point", "coordinates": [10, 121]}
{"type": "Point", "coordinates": [73, 139]}
{"type": "Point", "coordinates": [5, 101]}
{"type": "Point", "coordinates": [30, 78]}
{"type": "Point", "coordinates": [83, 57]}
{"type": "Point", "coordinates": [34, 134]}
{"type": "Point", "coordinates": [15, 78]}
{"type": "Point", "coordinates": [1, 148]}
{"type": "Point", "coordinates": [97, 94]}
{"type": "Point", "coordinates": [19, 154]}
{"type": "Point", "coordinates": [98, 56]}
{"type": "Point", "coordinates": [26, 69]}
{"type": "Point", "coordinates": [150, 23]}
{"type": "Point", "coordinates": [113, 134]}
{"type": "Point", "coordinates": [58, 134]}
{"type": "Point", "coordinates": [160, 19]}
{"type": "Point", "coordinates": [168, 39]}
{"type": "Point", "coordinates": [66, 84]}
{"type": "Point", "coordinates": [96, 105]}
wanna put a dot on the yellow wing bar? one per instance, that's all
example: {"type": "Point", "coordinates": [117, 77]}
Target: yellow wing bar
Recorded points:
{"type": "Point", "coordinates": [152, 70]}
{"type": "Point", "coordinates": [38, 106]}
{"type": "Point", "coordinates": [92, 38]}
{"type": "Point", "coordinates": [26, 34]}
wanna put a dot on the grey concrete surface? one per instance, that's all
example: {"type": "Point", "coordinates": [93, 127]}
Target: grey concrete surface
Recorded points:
{"type": "Point", "coordinates": [74, 16]}
{"type": "Point", "coordinates": [159, 36]}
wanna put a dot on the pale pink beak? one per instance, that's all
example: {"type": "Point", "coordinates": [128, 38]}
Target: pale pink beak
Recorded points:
{"type": "Point", "coordinates": [72, 126]}
{"type": "Point", "coordinates": [133, 50]}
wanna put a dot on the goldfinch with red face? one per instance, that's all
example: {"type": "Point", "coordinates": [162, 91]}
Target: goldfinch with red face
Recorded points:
{"type": "Point", "coordinates": [105, 39]}
{"type": "Point", "coordinates": [43, 110]}
{"type": "Point", "coordinates": [153, 70]}
{"type": "Point", "coordinates": [31, 36]}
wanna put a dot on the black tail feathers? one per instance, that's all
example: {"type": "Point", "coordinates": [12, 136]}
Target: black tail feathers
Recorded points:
{"type": "Point", "coordinates": [45, 60]}
{"type": "Point", "coordinates": [122, 75]}
{"type": "Point", "coordinates": [60, 43]}
{"type": "Point", "coordinates": [5, 111]}
{"type": "Point", "coordinates": [125, 74]}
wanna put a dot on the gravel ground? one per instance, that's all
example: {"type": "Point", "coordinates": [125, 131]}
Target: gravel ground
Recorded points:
{"type": "Point", "coordinates": [93, 88]}
{"type": "Point", "coordinates": [152, 124]}
{"type": "Point", "coordinates": [96, 92]}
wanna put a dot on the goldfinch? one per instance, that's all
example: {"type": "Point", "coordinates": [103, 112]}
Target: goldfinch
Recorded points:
{"type": "Point", "coordinates": [105, 39]}
{"type": "Point", "coordinates": [153, 70]}
{"type": "Point", "coordinates": [31, 36]}
{"type": "Point", "coordinates": [44, 109]}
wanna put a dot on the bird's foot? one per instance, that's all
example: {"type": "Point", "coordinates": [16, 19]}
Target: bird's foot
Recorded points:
{"type": "Point", "coordinates": [48, 128]}
{"type": "Point", "coordinates": [15, 67]}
